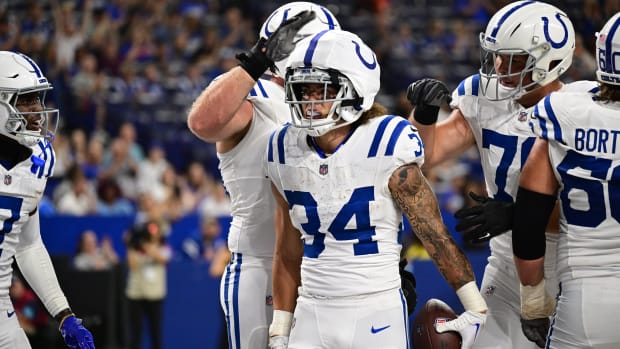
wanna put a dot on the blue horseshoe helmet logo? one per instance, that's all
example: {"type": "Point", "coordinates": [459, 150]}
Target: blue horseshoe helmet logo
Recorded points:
{"type": "Point", "coordinates": [546, 30]}
{"type": "Point", "coordinates": [372, 65]}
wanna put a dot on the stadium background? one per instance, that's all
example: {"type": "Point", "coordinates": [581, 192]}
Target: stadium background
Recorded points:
{"type": "Point", "coordinates": [143, 63]}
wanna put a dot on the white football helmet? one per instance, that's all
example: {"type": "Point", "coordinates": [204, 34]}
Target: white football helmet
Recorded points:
{"type": "Point", "coordinates": [335, 58]}
{"type": "Point", "coordinates": [608, 52]}
{"type": "Point", "coordinates": [324, 20]}
{"type": "Point", "coordinates": [538, 30]}
{"type": "Point", "coordinates": [19, 76]}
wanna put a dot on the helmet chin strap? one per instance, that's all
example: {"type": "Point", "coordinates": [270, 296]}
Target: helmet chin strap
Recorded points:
{"type": "Point", "coordinates": [29, 138]}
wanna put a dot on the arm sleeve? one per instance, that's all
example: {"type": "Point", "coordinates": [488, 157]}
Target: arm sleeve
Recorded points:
{"type": "Point", "coordinates": [36, 266]}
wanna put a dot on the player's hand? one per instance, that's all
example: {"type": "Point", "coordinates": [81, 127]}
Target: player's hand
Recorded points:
{"type": "Point", "coordinates": [278, 342]}
{"type": "Point", "coordinates": [536, 330]}
{"type": "Point", "coordinates": [427, 95]}
{"type": "Point", "coordinates": [536, 308]}
{"type": "Point", "coordinates": [75, 335]}
{"type": "Point", "coordinates": [276, 48]}
{"type": "Point", "coordinates": [468, 325]}
{"type": "Point", "coordinates": [482, 222]}
{"type": "Point", "coordinates": [408, 284]}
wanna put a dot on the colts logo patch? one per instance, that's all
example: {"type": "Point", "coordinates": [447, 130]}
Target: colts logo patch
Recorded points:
{"type": "Point", "coordinates": [323, 169]}
{"type": "Point", "coordinates": [8, 180]}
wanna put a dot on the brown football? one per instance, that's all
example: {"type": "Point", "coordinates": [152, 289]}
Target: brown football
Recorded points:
{"type": "Point", "coordinates": [424, 334]}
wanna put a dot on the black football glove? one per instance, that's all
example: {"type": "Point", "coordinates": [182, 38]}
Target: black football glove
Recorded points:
{"type": "Point", "coordinates": [427, 95]}
{"type": "Point", "coordinates": [482, 222]}
{"type": "Point", "coordinates": [536, 330]}
{"type": "Point", "coordinates": [407, 284]}
{"type": "Point", "coordinates": [276, 48]}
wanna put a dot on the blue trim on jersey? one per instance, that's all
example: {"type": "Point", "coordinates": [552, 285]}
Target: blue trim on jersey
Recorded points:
{"type": "Point", "coordinates": [48, 145]}
{"type": "Point", "coordinates": [262, 89]}
{"type": "Point", "coordinates": [609, 67]}
{"type": "Point", "coordinates": [42, 168]}
{"type": "Point", "coordinates": [236, 260]}
{"type": "Point", "coordinates": [281, 144]}
{"type": "Point", "coordinates": [312, 47]}
{"type": "Point", "coordinates": [226, 305]}
{"type": "Point", "coordinates": [475, 84]}
{"type": "Point", "coordinates": [506, 15]}
{"type": "Point", "coordinates": [552, 325]}
{"type": "Point", "coordinates": [405, 316]}
{"type": "Point", "coordinates": [597, 89]}
{"type": "Point", "coordinates": [541, 122]}
{"type": "Point", "coordinates": [253, 92]}
{"type": "Point", "coordinates": [270, 148]}
{"type": "Point", "coordinates": [330, 20]}
{"type": "Point", "coordinates": [557, 129]}
{"type": "Point", "coordinates": [374, 148]}
{"type": "Point", "coordinates": [33, 64]}
{"type": "Point", "coordinates": [394, 137]}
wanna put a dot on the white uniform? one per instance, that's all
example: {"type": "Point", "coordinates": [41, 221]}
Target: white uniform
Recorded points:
{"type": "Point", "coordinates": [245, 289]}
{"type": "Point", "coordinates": [584, 149]}
{"type": "Point", "coordinates": [504, 140]}
{"type": "Point", "coordinates": [350, 293]}
{"type": "Point", "coordinates": [21, 189]}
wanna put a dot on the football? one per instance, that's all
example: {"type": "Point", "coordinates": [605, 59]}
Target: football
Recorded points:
{"type": "Point", "coordinates": [424, 334]}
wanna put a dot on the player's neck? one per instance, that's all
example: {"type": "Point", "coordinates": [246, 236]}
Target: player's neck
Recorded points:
{"type": "Point", "coordinates": [531, 98]}
{"type": "Point", "coordinates": [332, 140]}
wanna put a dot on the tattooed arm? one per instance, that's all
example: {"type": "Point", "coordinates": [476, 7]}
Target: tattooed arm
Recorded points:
{"type": "Point", "coordinates": [417, 201]}
{"type": "Point", "coordinates": [415, 198]}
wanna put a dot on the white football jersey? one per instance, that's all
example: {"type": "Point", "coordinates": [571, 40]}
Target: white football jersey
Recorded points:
{"type": "Point", "coordinates": [504, 140]}
{"type": "Point", "coordinates": [341, 204]}
{"type": "Point", "coordinates": [21, 189]}
{"type": "Point", "coordinates": [252, 228]}
{"type": "Point", "coordinates": [584, 148]}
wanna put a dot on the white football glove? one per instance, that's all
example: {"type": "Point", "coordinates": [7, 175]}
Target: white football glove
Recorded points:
{"type": "Point", "coordinates": [278, 342]}
{"type": "Point", "coordinates": [468, 324]}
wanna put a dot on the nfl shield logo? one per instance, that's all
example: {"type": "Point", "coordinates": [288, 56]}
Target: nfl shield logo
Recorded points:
{"type": "Point", "coordinates": [522, 116]}
{"type": "Point", "coordinates": [7, 179]}
{"type": "Point", "coordinates": [323, 169]}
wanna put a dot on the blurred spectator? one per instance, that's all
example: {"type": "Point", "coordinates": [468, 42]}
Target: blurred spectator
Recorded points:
{"type": "Point", "coordinates": [147, 256]}
{"type": "Point", "coordinates": [75, 196]}
{"type": "Point", "coordinates": [91, 256]}
{"type": "Point", "coordinates": [127, 132]}
{"type": "Point", "coordinates": [151, 171]}
{"type": "Point", "coordinates": [111, 201]}
{"type": "Point", "coordinates": [203, 244]}
{"type": "Point", "coordinates": [93, 161]}
{"type": "Point", "coordinates": [32, 317]}
{"type": "Point", "coordinates": [69, 36]}
{"type": "Point", "coordinates": [199, 183]}
{"type": "Point", "coordinates": [119, 165]}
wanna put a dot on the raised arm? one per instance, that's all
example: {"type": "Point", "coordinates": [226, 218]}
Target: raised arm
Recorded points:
{"type": "Point", "coordinates": [444, 140]}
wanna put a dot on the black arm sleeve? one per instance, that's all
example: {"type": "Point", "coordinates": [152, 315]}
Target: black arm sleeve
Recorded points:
{"type": "Point", "coordinates": [531, 215]}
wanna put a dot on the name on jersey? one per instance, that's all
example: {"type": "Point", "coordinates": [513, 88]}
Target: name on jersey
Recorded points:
{"type": "Point", "coordinates": [596, 140]}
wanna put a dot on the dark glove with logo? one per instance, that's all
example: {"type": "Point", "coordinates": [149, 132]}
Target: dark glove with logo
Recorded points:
{"type": "Point", "coordinates": [536, 330]}
{"type": "Point", "coordinates": [407, 284]}
{"type": "Point", "coordinates": [427, 95]}
{"type": "Point", "coordinates": [276, 48]}
{"type": "Point", "coordinates": [482, 222]}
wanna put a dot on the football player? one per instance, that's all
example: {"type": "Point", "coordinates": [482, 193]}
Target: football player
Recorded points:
{"type": "Point", "coordinates": [27, 127]}
{"type": "Point", "coordinates": [576, 159]}
{"type": "Point", "coordinates": [237, 112]}
{"type": "Point", "coordinates": [526, 47]}
{"type": "Point", "coordinates": [343, 173]}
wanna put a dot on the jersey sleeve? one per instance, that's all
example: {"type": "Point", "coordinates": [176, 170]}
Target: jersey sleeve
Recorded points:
{"type": "Point", "coordinates": [545, 119]}
{"type": "Point", "coordinates": [395, 138]}
{"type": "Point", "coordinates": [465, 95]}
{"type": "Point", "coordinates": [268, 98]}
{"type": "Point", "coordinates": [274, 155]}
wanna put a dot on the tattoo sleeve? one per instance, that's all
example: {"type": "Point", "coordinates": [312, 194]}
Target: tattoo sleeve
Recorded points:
{"type": "Point", "coordinates": [416, 199]}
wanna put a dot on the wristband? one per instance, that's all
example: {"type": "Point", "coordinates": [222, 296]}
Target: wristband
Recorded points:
{"type": "Point", "coordinates": [470, 297]}
{"type": "Point", "coordinates": [65, 313]}
{"type": "Point", "coordinates": [535, 303]}
{"type": "Point", "coordinates": [281, 324]}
